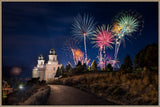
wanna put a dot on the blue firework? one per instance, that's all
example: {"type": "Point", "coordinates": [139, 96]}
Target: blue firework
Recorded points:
{"type": "Point", "coordinates": [83, 26]}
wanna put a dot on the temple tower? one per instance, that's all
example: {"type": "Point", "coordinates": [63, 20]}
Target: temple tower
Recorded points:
{"type": "Point", "coordinates": [41, 67]}
{"type": "Point", "coordinates": [35, 73]}
{"type": "Point", "coordinates": [52, 65]}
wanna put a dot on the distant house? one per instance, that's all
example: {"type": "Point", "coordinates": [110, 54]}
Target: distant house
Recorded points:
{"type": "Point", "coordinates": [46, 71]}
{"type": "Point", "coordinates": [6, 89]}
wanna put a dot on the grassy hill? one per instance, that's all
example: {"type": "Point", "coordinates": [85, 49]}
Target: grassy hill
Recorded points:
{"type": "Point", "coordinates": [136, 88]}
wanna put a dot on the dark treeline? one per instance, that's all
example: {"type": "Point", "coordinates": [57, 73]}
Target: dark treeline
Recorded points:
{"type": "Point", "coordinates": [147, 58]}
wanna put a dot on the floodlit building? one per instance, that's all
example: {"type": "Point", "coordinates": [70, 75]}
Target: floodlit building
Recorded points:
{"type": "Point", "coordinates": [46, 71]}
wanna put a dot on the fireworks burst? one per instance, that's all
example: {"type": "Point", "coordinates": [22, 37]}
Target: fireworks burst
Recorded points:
{"type": "Point", "coordinates": [101, 60]}
{"type": "Point", "coordinates": [130, 21]}
{"type": "Point", "coordinates": [72, 46]}
{"type": "Point", "coordinates": [116, 28]}
{"type": "Point", "coordinates": [78, 55]}
{"type": "Point", "coordinates": [83, 27]}
{"type": "Point", "coordinates": [103, 38]}
{"type": "Point", "coordinates": [126, 23]}
{"type": "Point", "coordinates": [68, 47]}
{"type": "Point", "coordinates": [110, 60]}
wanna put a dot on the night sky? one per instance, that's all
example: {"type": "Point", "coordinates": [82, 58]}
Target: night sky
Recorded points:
{"type": "Point", "coordinates": [30, 29]}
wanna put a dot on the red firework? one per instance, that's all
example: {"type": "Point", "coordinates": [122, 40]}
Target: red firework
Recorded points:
{"type": "Point", "coordinates": [104, 38]}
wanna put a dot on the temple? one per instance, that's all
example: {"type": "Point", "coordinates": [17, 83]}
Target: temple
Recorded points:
{"type": "Point", "coordinates": [46, 71]}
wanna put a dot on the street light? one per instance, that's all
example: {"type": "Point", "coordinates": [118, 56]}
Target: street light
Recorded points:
{"type": "Point", "coordinates": [21, 87]}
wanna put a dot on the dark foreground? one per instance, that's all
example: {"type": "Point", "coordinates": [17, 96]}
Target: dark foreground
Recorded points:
{"type": "Point", "coordinates": [65, 95]}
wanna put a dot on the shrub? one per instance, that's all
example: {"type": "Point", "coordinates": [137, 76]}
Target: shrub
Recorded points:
{"type": "Point", "coordinates": [109, 68]}
{"type": "Point", "coordinates": [68, 81]}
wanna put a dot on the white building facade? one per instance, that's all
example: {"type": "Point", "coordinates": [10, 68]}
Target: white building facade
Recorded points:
{"type": "Point", "coordinates": [46, 71]}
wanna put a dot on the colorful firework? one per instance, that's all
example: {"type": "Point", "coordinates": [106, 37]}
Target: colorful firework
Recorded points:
{"type": "Point", "coordinates": [103, 38]}
{"type": "Point", "coordinates": [72, 46]}
{"type": "Point", "coordinates": [130, 21]}
{"type": "Point", "coordinates": [126, 23]}
{"type": "Point", "coordinates": [78, 55]}
{"type": "Point", "coordinates": [101, 62]}
{"type": "Point", "coordinates": [116, 28]}
{"type": "Point", "coordinates": [110, 60]}
{"type": "Point", "coordinates": [69, 45]}
{"type": "Point", "coordinates": [83, 27]}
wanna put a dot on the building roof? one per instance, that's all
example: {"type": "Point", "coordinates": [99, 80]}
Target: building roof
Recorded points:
{"type": "Point", "coordinates": [52, 52]}
{"type": "Point", "coordinates": [40, 57]}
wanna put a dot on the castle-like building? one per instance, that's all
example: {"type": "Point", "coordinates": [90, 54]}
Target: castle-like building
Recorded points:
{"type": "Point", "coordinates": [46, 71]}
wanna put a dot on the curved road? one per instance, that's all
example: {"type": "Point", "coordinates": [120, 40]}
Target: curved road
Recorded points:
{"type": "Point", "coordinates": [65, 95]}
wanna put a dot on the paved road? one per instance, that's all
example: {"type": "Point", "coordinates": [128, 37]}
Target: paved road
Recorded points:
{"type": "Point", "coordinates": [65, 95]}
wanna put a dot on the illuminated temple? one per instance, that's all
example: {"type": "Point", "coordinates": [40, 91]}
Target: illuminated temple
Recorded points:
{"type": "Point", "coordinates": [46, 71]}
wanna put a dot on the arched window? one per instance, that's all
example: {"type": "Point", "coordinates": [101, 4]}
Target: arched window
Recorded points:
{"type": "Point", "coordinates": [53, 58]}
{"type": "Point", "coordinates": [54, 68]}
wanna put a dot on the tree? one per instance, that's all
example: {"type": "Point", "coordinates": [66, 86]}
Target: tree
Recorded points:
{"type": "Point", "coordinates": [62, 69]}
{"type": "Point", "coordinates": [122, 67]}
{"type": "Point", "coordinates": [84, 67]}
{"type": "Point", "coordinates": [58, 73]}
{"type": "Point", "coordinates": [89, 68]}
{"type": "Point", "coordinates": [147, 57]}
{"type": "Point", "coordinates": [127, 63]}
{"type": "Point", "coordinates": [68, 67]}
{"type": "Point", "coordinates": [79, 64]}
{"type": "Point", "coordinates": [109, 68]}
{"type": "Point", "coordinates": [94, 65]}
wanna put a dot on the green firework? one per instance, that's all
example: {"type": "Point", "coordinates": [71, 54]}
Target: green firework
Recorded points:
{"type": "Point", "coordinates": [128, 23]}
